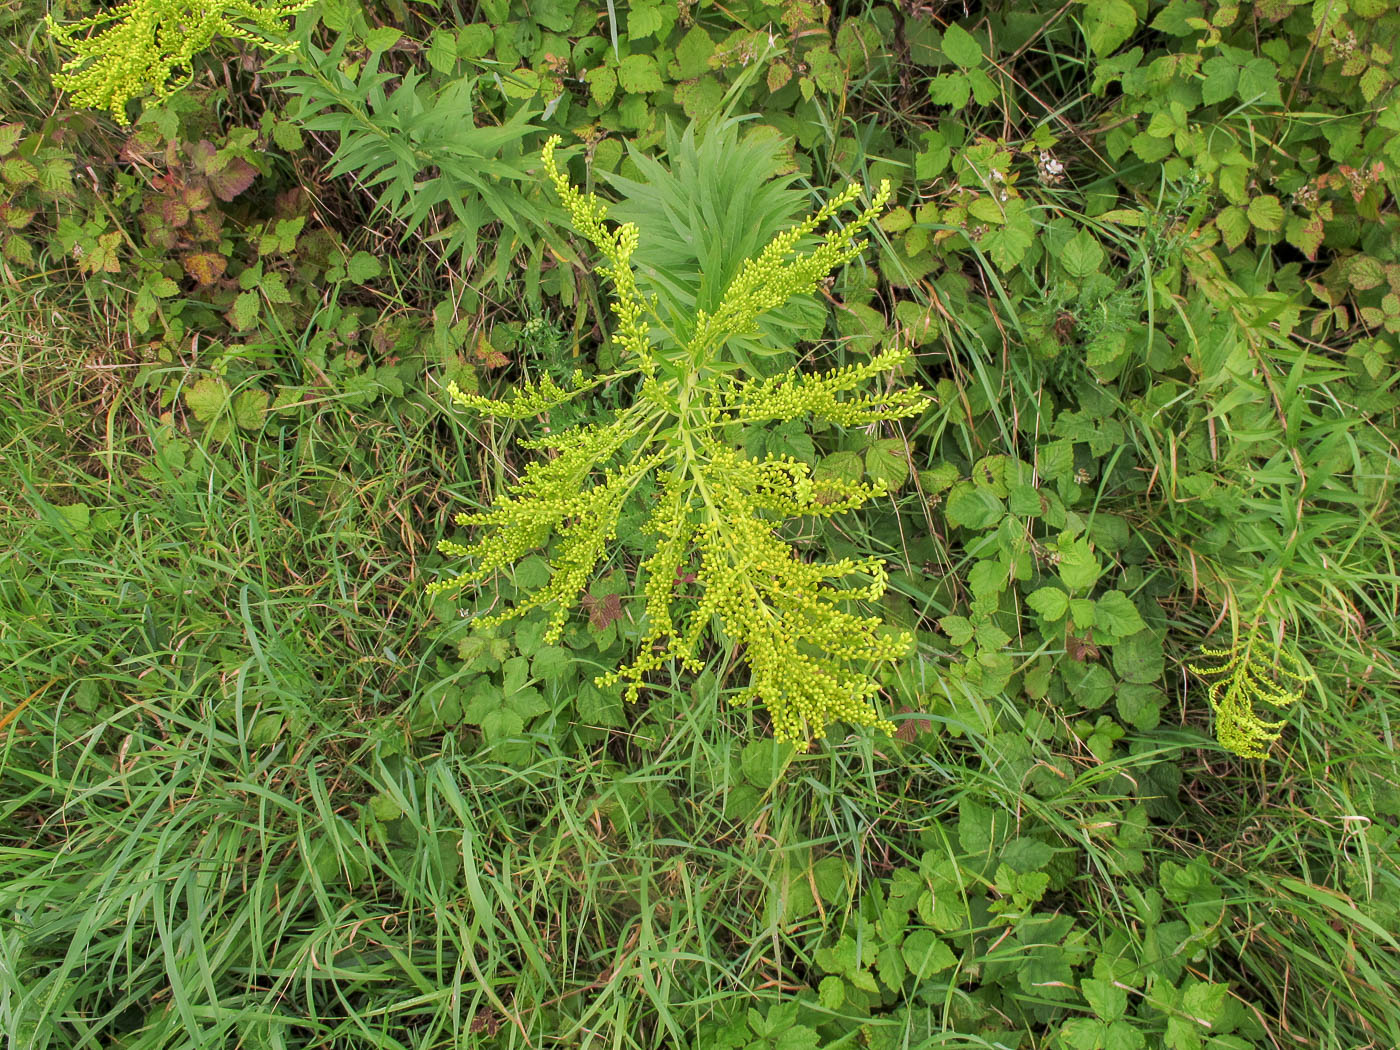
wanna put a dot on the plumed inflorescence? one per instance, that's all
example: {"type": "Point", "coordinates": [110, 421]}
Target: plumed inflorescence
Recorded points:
{"type": "Point", "coordinates": [1251, 672]}
{"type": "Point", "coordinates": [716, 511]}
{"type": "Point", "coordinates": [146, 46]}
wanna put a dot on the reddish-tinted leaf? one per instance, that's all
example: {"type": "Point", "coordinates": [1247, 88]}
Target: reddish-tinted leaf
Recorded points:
{"type": "Point", "coordinates": [231, 180]}
{"type": "Point", "coordinates": [205, 267]}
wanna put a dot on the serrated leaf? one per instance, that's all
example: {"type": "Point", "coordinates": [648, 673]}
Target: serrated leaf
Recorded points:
{"type": "Point", "coordinates": [1025, 855]}
{"type": "Point", "coordinates": [973, 507]}
{"type": "Point", "coordinates": [17, 171]}
{"type": "Point", "coordinates": [249, 407]}
{"type": "Point", "coordinates": [1106, 999]}
{"type": "Point", "coordinates": [207, 398]}
{"type": "Point", "coordinates": [245, 310]}
{"type": "Point", "coordinates": [442, 51]}
{"type": "Point", "coordinates": [1108, 23]}
{"type": "Point", "coordinates": [1139, 658]}
{"type": "Point", "coordinates": [925, 955]}
{"type": "Point", "coordinates": [887, 460]}
{"type": "Point", "coordinates": [639, 74]}
{"type": "Point", "coordinates": [599, 707]}
{"type": "Point", "coordinates": [1304, 234]}
{"type": "Point", "coordinates": [1233, 225]}
{"type": "Point", "coordinates": [831, 993]}
{"type": "Point", "coordinates": [693, 54]}
{"type": "Point", "coordinates": [1365, 272]}
{"type": "Point", "coordinates": [18, 250]}
{"type": "Point", "coordinates": [232, 179]}
{"type": "Point", "coordinates": [1078, 565]}
{"type": "Point", "coordinates": [1221, 76]}
{"type": "Point", "coordinates": [1266, 213]}
{"type": "Point", "coordinates": [1050, 602]}
{"type": "Point", "coordinates": [1082, 255]}
{"type": "Point", "coordinates": [9, 137]}
{"type": "Point", "coordinates": [363, 267]}
{"type": "Point", "coordinates": [961, 46]}
{"type": "Point", "coordinates": [959, 629]}
{"type": "Point", "coordinates": [950, 89]}
{"type": "Point", "coordinates": [643, 20]}
{"type": "Point", "coordinates": [602, 84]}
{"type": "Point", "coordinates": [1116, 614]}
{"type": "Point", "coordinates": [382, 39]}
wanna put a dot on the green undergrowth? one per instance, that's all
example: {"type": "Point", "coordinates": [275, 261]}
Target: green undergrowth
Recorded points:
{"type": "Point", "coordinates": [262, 787]}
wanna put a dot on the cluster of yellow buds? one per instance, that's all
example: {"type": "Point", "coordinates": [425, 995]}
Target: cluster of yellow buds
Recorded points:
{"type": "Point", "coordinates": [144, 45]}
{"type": "Point", "coordinates": [717, 510]}
{"type": "Point", "coordinates": [1243, 678]}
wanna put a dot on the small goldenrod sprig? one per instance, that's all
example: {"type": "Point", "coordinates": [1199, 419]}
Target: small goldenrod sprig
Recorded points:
{"type": "Point", "coordinates": [617, 245]}
{"type": "Point", "coordinates": [529, 399]}
{"type": "Point", "coordinates": [1243, 677]}
{"type": "Point", "coordinates": [147, 45]}
{"type": "Point", "coordinates": [794, 394]}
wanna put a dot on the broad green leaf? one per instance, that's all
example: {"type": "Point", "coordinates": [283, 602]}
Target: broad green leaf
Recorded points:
{"type": "Point", "coordinates": [1266, 213]}
{"type": "Point", "coordinates": [1106, 999]}
{"type": "Point", "coordinates": [1050, 602]}
{"type": "Point", "coordinates": [973, 507]}
{"type": "Point", "coordinates": [1116, 614]}
{"type": "Point", "coordinates": [959, 629]}
{"type": "Point", "coordinates": [925, 955]}
{"type": "Point", "coordinates": [249, 407]}
{"type": "Point", "coordinates": [207, 399]}
{"type": "Point", "coordinates": [639, 74]}
{"type": "Point", "coordinates": [1078, 565]}
{"type": "Point", "coordinates": [839, 466]}
{"type": "Point", "coordinates": [363, 266]}
{"type": "Point", "coordinates": [888, 460]}
{"type": "Point", "coordinates": [693, 54]}
{"type": "Point", "coordinates": [961, 46]}
{"type": "Point", "coordinates": [1233, 225]}
{"type": "Point", "coordinates": [1082, 255]}
{"type": "Point", "coordinates": [1108, 23]}
{"type": "Point", "coordinates": [1220, 76]}
{"type": "Point", "coordinates": [382, 39]}
{"type": "Point", "coordinates": [1139, 658]}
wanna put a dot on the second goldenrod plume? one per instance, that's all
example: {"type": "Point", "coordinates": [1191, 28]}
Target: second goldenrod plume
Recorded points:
{"type": "Point", "coordinates": [810, 659]}
{"type": "Point", "coordinates": [146, 46]}
{"type": "Point", "coordinates": [1250, 672]}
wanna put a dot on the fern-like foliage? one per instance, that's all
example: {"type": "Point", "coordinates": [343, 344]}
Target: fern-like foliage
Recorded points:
{"type": "Point", "coordinates": [146, 46]}
{"type": "Point", "coordinates": [1250, 672]}
{"type": "Point", "coordinates": [418, 146]}
{"type": "Point", "coordinates": [718, 200]}
{"type": "Point", "coordinates": [716, 510]}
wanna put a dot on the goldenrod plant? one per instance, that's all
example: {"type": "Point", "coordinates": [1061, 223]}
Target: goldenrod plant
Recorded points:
{"type": "Point", "coordinates": [1252, 671]}
{"type": "Point", "coordinates": [147, 46]}
{"type": "Point", "coordinates": [809, 655]}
